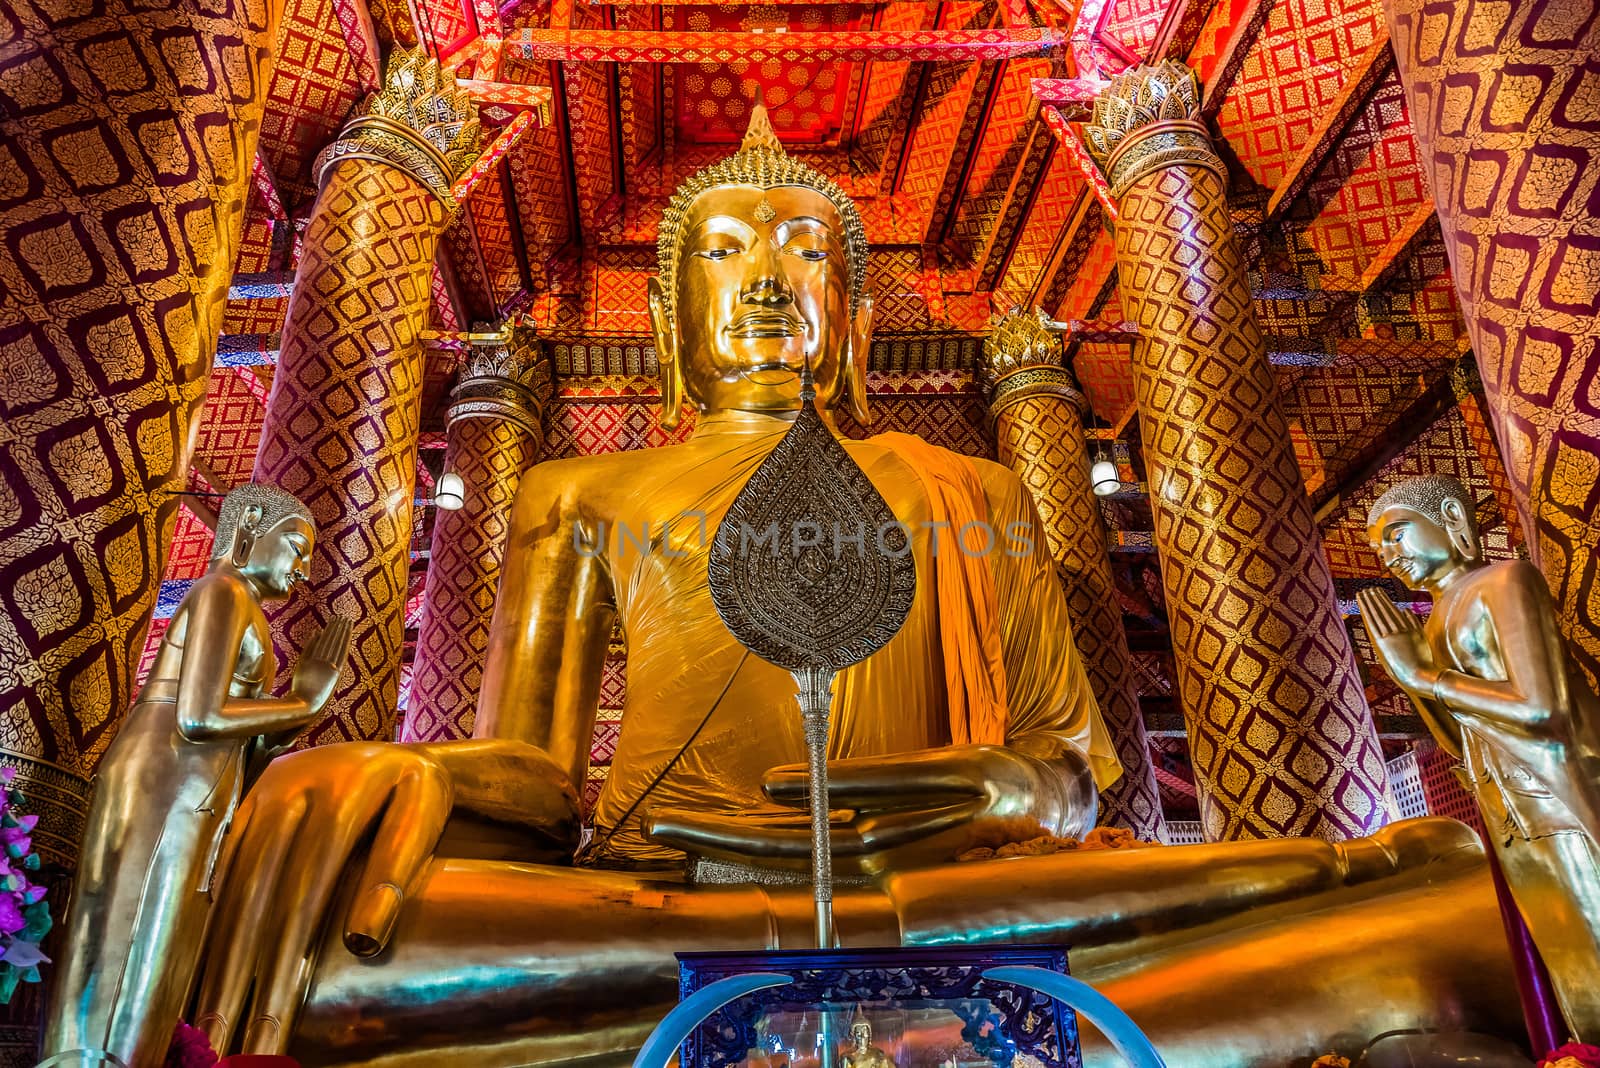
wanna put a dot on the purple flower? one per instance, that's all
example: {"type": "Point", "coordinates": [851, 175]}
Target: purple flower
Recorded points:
{"type": "Point", "coordinates": [21, 954]}
{"type": "Point", "coordinates": [11, 918]}
{"type": "Point", "coordinates": [16, 841]}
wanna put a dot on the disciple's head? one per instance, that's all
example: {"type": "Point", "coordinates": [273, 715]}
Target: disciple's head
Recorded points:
{"type": "Point", "coordinates": [1424, 529]}
{"type": "Point", "coordinates": [762, 272]}
{"type": "Point", "coordinates": [268, 535]}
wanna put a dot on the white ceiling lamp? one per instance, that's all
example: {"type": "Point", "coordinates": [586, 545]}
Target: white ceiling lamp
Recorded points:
{"type": "Point", "coordinates": [1103, 477]}
{"type": "Point", "coordinates": [451, 493]}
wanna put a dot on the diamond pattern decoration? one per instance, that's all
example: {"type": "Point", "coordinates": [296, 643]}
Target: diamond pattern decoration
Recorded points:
{"type": "Point", "coordinates": [126, 147]}
{"type": "Point", "coordinates": [1282, 740]}
{"type": "Point", "coordinates": [468, 544]}
{"type": "Point", "coordinates": [1302, 58]}
{"type": "Point", "coordinates": [1507, 104]}
{"type": "Point", "coordinates": [1041, 439]}
{"type": "Point", "coordinates": [341, 425]}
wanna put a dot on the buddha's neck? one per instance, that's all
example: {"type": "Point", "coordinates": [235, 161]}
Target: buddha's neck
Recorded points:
{"type": "Point", "coordinates": [721, 422]}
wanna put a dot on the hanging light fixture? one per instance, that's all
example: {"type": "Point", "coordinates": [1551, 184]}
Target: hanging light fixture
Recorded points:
{"type": "Point", "coordinates": [451, 493]}
{"type": "Point", "coordinates": [1103, 477]}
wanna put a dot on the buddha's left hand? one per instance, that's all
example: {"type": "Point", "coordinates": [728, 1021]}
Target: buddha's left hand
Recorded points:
{"type": "Point", "coordinates": [900, 811]}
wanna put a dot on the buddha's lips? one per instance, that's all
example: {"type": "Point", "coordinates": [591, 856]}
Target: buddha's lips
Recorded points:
{"type": "Point", "coordinates": [765, 324]}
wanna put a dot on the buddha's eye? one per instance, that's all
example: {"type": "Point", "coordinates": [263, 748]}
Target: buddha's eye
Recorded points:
{"type": "Point", "coordinates": [715, 254]}
{"type": "Point", "coordinates": [807, 247]}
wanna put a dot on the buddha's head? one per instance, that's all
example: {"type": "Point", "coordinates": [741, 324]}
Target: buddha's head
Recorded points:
{"type": "Point", "coordinates": [860, 1031]}
{"type": "Point", "coordinates": [267, 535]}
{"type": "Point", "coordinates": [762, 272]}
{"type": "Point", "coordinates": [1424, 529]}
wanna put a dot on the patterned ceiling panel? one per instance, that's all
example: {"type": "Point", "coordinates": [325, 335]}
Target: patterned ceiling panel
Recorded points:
{"type": "Point", "coordinates": [493, 224]}
{"type": "Point", "coordinates": [1134, 24]}
{"type": "Point", "coordinates": [1362, 196]}
{"type": "Point", "coordinates": [1343, 411]}
{"type": "Point", "coordinates": [1099, 262]}
{"type": "Point", "coordinates": [805, 101]}
{"type": "Point", "coordinates": [1042, 232]}
{"type": "Point", "coordinates": [1211, 42]}
{"type": "Point", "coordinates": [1105, 373]}
{"type": "Point", "coordinates": [1002, 140]}
{"type": "Point", "coordinates": [314, 88]}
{"type": "Point", "coordinates": [1305, 54]}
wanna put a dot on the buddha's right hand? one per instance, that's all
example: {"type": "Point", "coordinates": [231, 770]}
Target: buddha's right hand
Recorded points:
{"type": "Point", "coordinates": [298, 832]}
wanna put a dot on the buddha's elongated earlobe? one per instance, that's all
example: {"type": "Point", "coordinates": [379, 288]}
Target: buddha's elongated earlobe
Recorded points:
{"type": "Point", "coordinates": [244, 537]}
{"type": "Point", "coordinates": [1458, 527]}
{"type": "Point", "coordinates": [665, 331]}
{"type": "Point", "coordinates": [855, 369]}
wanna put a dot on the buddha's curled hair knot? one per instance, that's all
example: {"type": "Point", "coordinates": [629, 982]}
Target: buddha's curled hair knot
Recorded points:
{"type": "Point", "coordinates": [762, 162]}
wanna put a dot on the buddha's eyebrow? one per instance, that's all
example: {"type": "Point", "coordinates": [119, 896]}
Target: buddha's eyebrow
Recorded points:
{"type": "Point", "coordinates": [805, 220]}
{"type": "Point", "coordinates": [719, 224]}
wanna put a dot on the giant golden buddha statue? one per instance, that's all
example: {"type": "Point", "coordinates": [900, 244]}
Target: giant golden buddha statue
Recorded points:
{"type": "Point", "coordinates": [419, 904]}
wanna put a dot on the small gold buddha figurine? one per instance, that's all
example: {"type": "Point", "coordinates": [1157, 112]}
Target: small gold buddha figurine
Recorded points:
{"type": "Point", "coordinates": [170, 782]}
{"type": "Point", "coordinates": [862, 1053]}
{"type": "Point", "coordinates": [1490, 676]}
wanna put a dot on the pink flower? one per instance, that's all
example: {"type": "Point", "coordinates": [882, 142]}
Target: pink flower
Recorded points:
{"type": "Point", "coordinates": [1573, 1052]}
{"type": "Point", "coordinates": [190, 1048]}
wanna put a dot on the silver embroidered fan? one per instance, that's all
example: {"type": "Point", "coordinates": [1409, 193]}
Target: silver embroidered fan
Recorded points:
{"type": "Point", "coordinates": [811, 571]}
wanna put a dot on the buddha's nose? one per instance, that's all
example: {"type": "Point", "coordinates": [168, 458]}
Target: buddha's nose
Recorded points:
{"type": "Point", "coordinates": [765, 283]}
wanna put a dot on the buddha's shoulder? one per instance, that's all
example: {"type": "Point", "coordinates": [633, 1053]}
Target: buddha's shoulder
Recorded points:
{"type": "Point", "coordinates": [999, 481]}
{"type": "Point", "coordinates": [578, 478]}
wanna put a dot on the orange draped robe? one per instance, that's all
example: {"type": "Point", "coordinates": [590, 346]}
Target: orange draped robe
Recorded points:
{"type": "Point", "coordinates": [986, 653]}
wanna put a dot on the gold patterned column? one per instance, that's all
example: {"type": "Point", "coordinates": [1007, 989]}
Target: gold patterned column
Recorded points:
{"type": "Point", "coordinates": [1037, 410]}
{"type": "Point", "coordinates": [127, 135]}
{"type": "Point", "coordinates": [494, 428]}
{"type": "Point", "coordinates": [1279, 730]}
{"type": "Point", "coordinates": [341, 423]}
{"type": "Point", "coordinates": [1506, 111]}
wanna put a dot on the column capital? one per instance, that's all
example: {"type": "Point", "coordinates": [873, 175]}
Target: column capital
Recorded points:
{"type": "Point", "coordinates": [1022, 357]}
{"type": "Point", "coordinates": [1148, 119]}
{"type": "Point", "coordinates": [506, 376]}
{"type": "Point", "coordinates": [421, 121]}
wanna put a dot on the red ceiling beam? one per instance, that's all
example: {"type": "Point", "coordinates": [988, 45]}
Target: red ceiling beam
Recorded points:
{"type": "Point", "coordinates": [1352, 99]}
{"type": "Point", "coordinates": [1074, 96]}
{"type": "Point", "coordinates": [846, 46]}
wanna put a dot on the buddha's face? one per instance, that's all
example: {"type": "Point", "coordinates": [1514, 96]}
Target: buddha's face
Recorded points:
{"type": "Point", "coordinates": [762, 289]}
{"type": "Point", "coordinates": [1415, 548]}
{"type": "Point", "coordinates": [281, 557]}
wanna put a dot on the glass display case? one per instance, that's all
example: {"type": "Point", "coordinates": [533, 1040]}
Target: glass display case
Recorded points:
{"type": "Point", "coordinates": [919, 1007]}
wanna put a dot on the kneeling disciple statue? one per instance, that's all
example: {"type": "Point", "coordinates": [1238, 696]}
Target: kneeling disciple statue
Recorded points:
{"type": "Point", "coordinates": [170, 782]}
{"type": "Point", "coordinates": [1490, 676]}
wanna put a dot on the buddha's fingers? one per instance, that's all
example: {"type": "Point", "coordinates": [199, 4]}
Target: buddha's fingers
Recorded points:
{"type": "Point", "coordinates": [407, 836]}
{"type": "Point", "coordinates": [289, 957]}
{"type": "Point", "coordinates": [236, 935]}
{"type": "Point", "coordinates": [912, 780]}
{"type": "Point", "coordinates": [730, 836]}
{"type": "Point", "coordinates": [1374, 612]}
{"type": "Point", "coordinates": [733, 837]}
